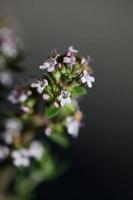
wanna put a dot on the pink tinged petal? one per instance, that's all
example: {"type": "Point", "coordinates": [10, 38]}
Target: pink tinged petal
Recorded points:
{"type": "Point", "coordinates": [89, 84]}
{"type": "Point", "coordinates": [56, 104]}
{"type": "Point", "coordinates": [83, 61]}
{"type": "Point", "coordinates": [25, 109]}
{"type": "Point", "coordinates": [92, 79]}
{"type": "Point", "coordinates": [51, 69]}
{"type": "Point", "coordinates": [44, 66]}
{"type": "Point", "coordinates": [66, 60]}
{"type": "Point", "coordinates": [45, 82]}
{"type": "Point", "coordinates": [45, 96]}
{"type": "Point", "coordinates": [48, 131]}
{"type": "Point", "coordinates": [34, 85]}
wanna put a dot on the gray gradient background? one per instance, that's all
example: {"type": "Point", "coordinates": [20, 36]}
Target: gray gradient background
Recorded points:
{"type": "Point", "coordinates": [103, 153]}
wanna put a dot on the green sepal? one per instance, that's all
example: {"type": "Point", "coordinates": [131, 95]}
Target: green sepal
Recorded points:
{"type": "Point", "coordinates": [59, 139]}
{"type": "Point", "coordinates": [51, 111]}
{"type": "Point", "coordinates": [78, 91]}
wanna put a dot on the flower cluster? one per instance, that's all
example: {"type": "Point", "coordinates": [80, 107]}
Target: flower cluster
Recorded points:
{"type": "Point", "coordinates": [61, 74]}
{"type": "Point", "coordinates": [11, 50]}
{"type": "Point", "coordinates": [44, 111]}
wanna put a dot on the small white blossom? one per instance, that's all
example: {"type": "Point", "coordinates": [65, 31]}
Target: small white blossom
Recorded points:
{"type": "Point", "coordinates": [13, 128]}
{"type": "Point", "coordinates": [86, 78]}
{"type": "Point", "coordinates": [49, 64]}
{"type": "Point", "coordinates": [70, 60]}
{"type": "Point", "coordinates": [23, 97]}
{"type": "Point", "coordinates": [48, 131]}
{"type": "Point", "coordinates": [40, 85]}
{"type": "Point", "coordinates": [21, 157]}
{"type": "Point", "coordinates": [73, 126]}
{"type": "Point", "coordinates": [8, 43]}
{"type": "Point", "coordinates": [9, 49]}
{"type": "Point", "coordinates": [36, 150]}
{"type": "Point", "coordinates": [64, 98]}
{"type": "Point", "coordinates": [4, 152]}
{"type": "Point", "coordinates": [6, 78]}
{"type": "Point", "coordinates": [45, 96]}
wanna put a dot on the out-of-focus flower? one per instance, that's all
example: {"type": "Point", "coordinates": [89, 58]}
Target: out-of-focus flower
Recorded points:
{"type": "Point", "coordinates": [21, 157]}
{"type": "Point", "coordinates": [19, 96]}
{"type": "Point", "coordinates": [73, 126]}
{"type": "Point", "coordinates": [13, 97]}
{"type": "Point", "coordinates": [64, 98]}
{"type": "Point", "coordinates": [36, 150]}
{"type": "Point", "coordinates": [4, 152]}
{"type": "Point", "coordinates": [40, 85]}
{"type": "Point", "coordinates": [49, 65]}
{"type": "Point", "coordinates": [45, 96]}
{"type": "Point", "coordinates": [25, 109]}
{"type": "Point", "coordinates": [86, 78]}
{"type": "Point", "coordinates": [12, 129]}
{"type": "Point", "coordinates": [6, 78]}
{"type": "Point", "coordinates": [48, 131]}
{"type": "Point", "coordinates": [10, 44]}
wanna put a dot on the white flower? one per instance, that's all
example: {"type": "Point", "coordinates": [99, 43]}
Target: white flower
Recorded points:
{"type": "Point", "coordinates": [70, 60]}
{"type": "Point", "coordinates": [13, 128]}
{"type": "Point", "coordinates": [23, 97]}
{"type": "Point", "coordinates": [21, 157]}
{"type": "Point", "coordinates": [49, 65]}
{"type": "Point", "coordinates": [9, 49]}
{"type": "Point", "coordinates": [73, 126]}
{"type": "Point", "coordinates": [17, 96]}
{"type": "Point", "coordinates": [86, 78]}
{"type": "Point", "coordinates": [8, 43]}
{"type": "Point", "coordinates": [4, 152]}
{"type": "Point", "coordinates": [45, 96]}
{"type": "Point", "coordinates": [48, 131]}
{"type": "Point", "coordinates": [40, 85]}
{"type": "Point", "coordinates": [13, 97]}
{"type": "Point", "coordinates": [64, 98]}
{"type": "Point", "coordinates": [36, 150]}
{"type": "Point", "coordinates": [72, 50]}
{"type": "Point", "coordinates": [6, 78]}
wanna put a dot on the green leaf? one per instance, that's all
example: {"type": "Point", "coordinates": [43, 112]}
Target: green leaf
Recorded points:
{"type": "Point", "coordinates": [51, 111]}
{"type": "Point", "coordinates": [59, 139]}
{"type": "Point", "coordinates": [78, 91]}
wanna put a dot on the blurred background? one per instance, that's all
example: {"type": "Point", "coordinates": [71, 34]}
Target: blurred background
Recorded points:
{"type": "Point", "coordinates": [102, 156]}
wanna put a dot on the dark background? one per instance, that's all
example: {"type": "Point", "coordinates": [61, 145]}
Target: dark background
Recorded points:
{"type": "Point", "coordinates": [103, 154]}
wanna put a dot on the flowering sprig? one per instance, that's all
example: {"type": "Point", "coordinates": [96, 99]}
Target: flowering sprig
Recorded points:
{"type": "Point", "coordinates": [48, 106]}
